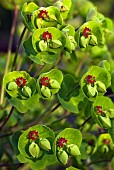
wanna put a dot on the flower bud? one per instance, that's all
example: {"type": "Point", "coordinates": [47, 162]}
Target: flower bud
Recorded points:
{"type": "Point", "coordinates": [93, 40]}
{"type": "Point", "coordinates": [55, 44]}
{"type": "Point", "coordinates": [62, 156]}
{"type": "Point", "coordinates": [43, 45]}
{"type": "Point", "coordinates": [12, 86]}
{"type": "Point", "coordinates": [73, 150]}
{"type": "Point", "coordinates": [26, 91]}
{"type": "Point", "coordinates": [34, 150]}
{"type": "Point", "coordinates": [45, 92]}
{"type": "Point", "coordinates": [54, 84]}
{"type": "Point", "coordinates": [105, 121]}
{"type": "Point", "coordinates": [84, 41]}
{"type": "Point", "coordinates": [91, 90]}
{"type": "Point", "coordinates": [104, 149]}
{"type": "Point", "coordinates": [44, 144]}
{"type": "Point", "coordinates": [100, 86]}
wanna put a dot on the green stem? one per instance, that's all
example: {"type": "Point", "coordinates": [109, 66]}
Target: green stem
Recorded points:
{"type": "Point", "coordinates": [85, 122]}
{"type": "Point", "coordinates": [17, 49]}
{"type": "Point", "coordinates": [58, 120]}
{"type": "Point", "coordinates": [38, 71]}
{"type": "Point", "coordinates": [7, 118]}
{"type": "Point", "coordinates": [97, 161]}
{"type": "Point", "coordinates": [47, 114]}
{"type": "Point", "coordinates": [43, 116]}
{"type": "Point", "coordinates": [9, 50]}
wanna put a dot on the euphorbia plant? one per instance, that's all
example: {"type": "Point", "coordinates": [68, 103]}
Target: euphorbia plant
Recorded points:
{"type": "Point", "coordinates": [64, 86]}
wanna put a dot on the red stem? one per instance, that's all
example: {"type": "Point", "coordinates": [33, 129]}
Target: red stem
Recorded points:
{"type": "Point", "coordinates": [7, 118]}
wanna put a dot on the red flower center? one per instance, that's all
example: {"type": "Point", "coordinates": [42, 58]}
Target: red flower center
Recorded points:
{"type": "Point", "coordinates": [45, 81]}
{"type": "Point", "coordinates": [47, 35]}
{"type": "Point", "coordinates": [99, 110]}
{"type": "Point", "coordinates": [20, 81]}
{"type": "Point", "coordinates": [61, 142]}
{"type": "Point", "coordinates": [90, 79]}
{"type": "Point", "coordinates": [86, 32]}
{"type": "Point", "coordinates": [43, 14]}
{"type": "Point", "coordinates": [33, 135]}
{"type": "Point", "coordinates": [106, 141]}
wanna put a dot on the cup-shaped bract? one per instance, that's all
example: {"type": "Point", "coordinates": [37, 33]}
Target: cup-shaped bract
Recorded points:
{"type": "Point", "coordinates": [26, 14]}
{"type": "Point", "coordinates": [95, 82]}
{"type": "Point", "coordinates": [67, 143]}
{"type": "Point", "coordinates": [46, 17]}
{"type": "Point", "coordinates": [19, 84]}
{"type": "Point", "coordinates": [90, 34]}
{"type": "Point", "coordinates": [102, 111]}
{"type": "Point", "coordinates": [49, 83]}
{"type": "Point", "coordinates": [45, 45]}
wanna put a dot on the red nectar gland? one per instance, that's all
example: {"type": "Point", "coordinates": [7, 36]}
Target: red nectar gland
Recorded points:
{"type": "Point", "coordinates": [33, 135]}
{"type": "Point", "coordinates": [43, 14]}
{"type": "Point", "coordinates": [90, 79]}
{"type": "Point", "coordinates": [45, 81]}
{"type": "Point", "coordinates": [99, 110]}
{"type": "Point", "coordinates": [20, 81]}
{"type": "Point", "coordinates": [47, 36]}
{"type": "Point", "coordinates": [61, 142]}
{"type": "Point", "coordinates": [106, 141]}
{"type": "Point", "coordinates": [86, 32]}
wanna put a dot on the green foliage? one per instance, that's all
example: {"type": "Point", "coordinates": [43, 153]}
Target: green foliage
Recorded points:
{"type": "Point", "coordinates": [65, 89]}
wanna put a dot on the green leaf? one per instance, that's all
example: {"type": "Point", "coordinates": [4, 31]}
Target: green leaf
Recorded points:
{"type": "Point", "coordinates": [10, 4]}
{"type": "Point", "coordinates": [14, 142]}
{"type": "Point", "coordinates": [24, 105]}
{"type": "Point", "coordinates": [111, 130]}
{"type": "Point", "coordinates": [112, 81]}
{"type": "Point", "coordinates": [32, 54]}
{"type": "Point", "coordinates": [26, 14]}
{"type": "Point", "coordinates": [83, 7]}
{"type": "Point", "coordinates": [64, 7]}
{"type": "Point", "coordinates": [92, 14]}
{"type": "Point", "coordinates": [69, 95]}
{"type": "Point", "coordinates": [104, 64]}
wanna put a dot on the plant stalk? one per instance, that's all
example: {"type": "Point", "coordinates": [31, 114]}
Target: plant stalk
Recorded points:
{"type": "Point", "coordinates": [9, 50]}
